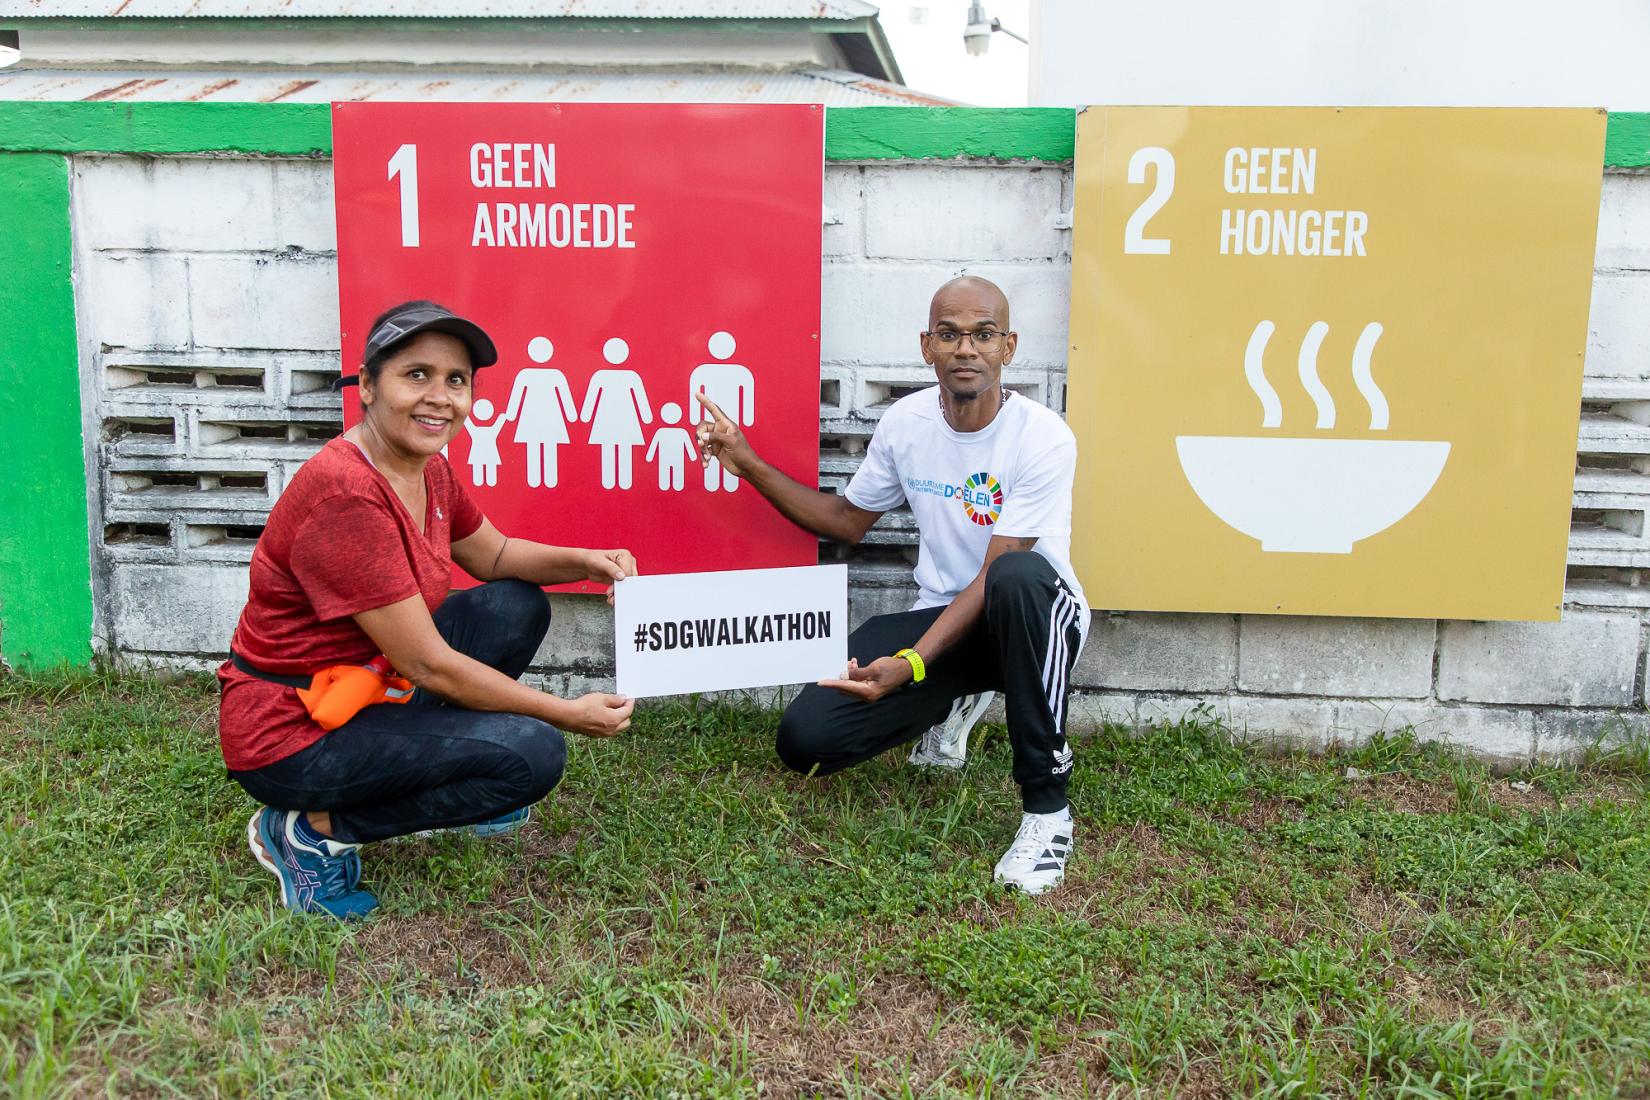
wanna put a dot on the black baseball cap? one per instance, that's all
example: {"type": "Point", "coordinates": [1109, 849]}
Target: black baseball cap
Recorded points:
{"type": "Point", "coordinates": [411, 318]}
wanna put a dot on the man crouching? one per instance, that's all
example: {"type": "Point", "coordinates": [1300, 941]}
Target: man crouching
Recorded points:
{"type": "Point", "coordinates": [988, 476]}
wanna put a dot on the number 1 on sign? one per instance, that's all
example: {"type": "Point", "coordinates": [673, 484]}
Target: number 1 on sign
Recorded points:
{"type": "Point", "coordinates": [1134, 234]}
{"type": "Point", "coordinates": [405, 165]}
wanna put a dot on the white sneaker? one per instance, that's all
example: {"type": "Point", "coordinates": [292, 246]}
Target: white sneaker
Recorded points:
{"type": "Point", "coordinates": [946, 745]}
{"type": "Point", "coordinates": [1036, 861]}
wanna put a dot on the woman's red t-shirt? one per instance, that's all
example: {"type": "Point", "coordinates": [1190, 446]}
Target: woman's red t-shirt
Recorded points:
{"type": "Point", "coordinates": [338, 542]}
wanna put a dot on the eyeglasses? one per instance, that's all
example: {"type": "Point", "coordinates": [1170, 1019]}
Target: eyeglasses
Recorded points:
{"type": "Point", "coordinates": [985, 339]}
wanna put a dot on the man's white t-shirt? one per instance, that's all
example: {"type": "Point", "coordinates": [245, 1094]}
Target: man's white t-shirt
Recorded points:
{"type": "Point", "coordinates": [1013, 478]}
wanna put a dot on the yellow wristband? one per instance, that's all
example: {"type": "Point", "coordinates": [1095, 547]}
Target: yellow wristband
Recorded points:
{"type": "Point", "coordinates": [917, 669]}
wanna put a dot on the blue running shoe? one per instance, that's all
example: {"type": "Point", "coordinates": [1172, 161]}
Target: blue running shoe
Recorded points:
{"type": "Point", "coordinates": [351, 857]}
{"type": "Point", "coordinates": [504, 823]}
{"type": "Point", "coordinates": [312, 880]}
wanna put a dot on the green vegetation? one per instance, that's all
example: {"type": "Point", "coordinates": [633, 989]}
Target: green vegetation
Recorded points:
{"type": "Point", "coordinates": [684, 918]}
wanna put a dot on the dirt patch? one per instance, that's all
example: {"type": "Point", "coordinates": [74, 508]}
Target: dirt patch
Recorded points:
{"type": "Point", "coordinates": [1403, 793]}
{"type": "Point", "coordinates": [429, 954]}
{"type": "Point", "coordinates": [1152, 855]}
{"type": "Point", "coordinates": [1408, 794]}
{"type": "Point", "coordinates": [1606, 789]}
{"type": "Point", "coordinates": [1528, 799]}
{"type": "Point", "coordinates": [1403, 917]}
{"type": "Point", "coordinates": [1117, 868]}
{"type": "Point", "coordinates": [897, 1033]}
{"type": "Point", "coordinates": [1263, 814]}
{"type": "Point", "coordinates": [1421, 994]}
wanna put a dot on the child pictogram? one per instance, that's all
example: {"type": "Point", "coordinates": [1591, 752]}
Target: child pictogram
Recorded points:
{"type": "Point", "coordinates": [672, 448]}
{"type": "Point", "coordinates": [484, 456]}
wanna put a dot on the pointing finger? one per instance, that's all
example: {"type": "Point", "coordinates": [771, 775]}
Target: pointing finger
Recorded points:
{"type": "Point", "coordinates": [713, 408]}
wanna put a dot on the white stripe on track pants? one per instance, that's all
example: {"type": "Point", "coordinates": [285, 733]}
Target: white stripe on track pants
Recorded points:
{"type": "Point", "coordinates": [1025, 646]}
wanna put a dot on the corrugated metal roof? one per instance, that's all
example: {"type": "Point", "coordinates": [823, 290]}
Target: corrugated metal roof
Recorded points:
{"type": "Point", "coordinates": [445, 9]}
{"type": "Point", "coordinates": [832, 87]}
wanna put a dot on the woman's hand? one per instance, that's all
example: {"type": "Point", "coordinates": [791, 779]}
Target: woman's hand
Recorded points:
{"type": "Point", "coordinates": [872, 682]}
{"type": "Point", "coordinates": [599, 714]}
{"type": "Point", "coordinates": [609, 565]}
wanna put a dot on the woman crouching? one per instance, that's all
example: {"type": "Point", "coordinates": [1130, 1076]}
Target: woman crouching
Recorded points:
{"type": "Point", "coordinates": [353, 570]}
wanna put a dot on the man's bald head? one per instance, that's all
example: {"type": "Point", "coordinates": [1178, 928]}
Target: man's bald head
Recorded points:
{"type": "Point", "coordinates": [969, 295]}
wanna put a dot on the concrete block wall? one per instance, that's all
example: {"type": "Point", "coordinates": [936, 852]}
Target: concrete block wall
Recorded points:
{"type": "Point", "coordinates": [208, 316]}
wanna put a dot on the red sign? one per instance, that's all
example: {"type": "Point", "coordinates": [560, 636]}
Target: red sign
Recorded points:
{"type": "Point", "coordinates": [621, 257]}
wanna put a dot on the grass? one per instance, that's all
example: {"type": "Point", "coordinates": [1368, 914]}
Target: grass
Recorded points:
{"type": "Point", "coordinates": [684, 918]}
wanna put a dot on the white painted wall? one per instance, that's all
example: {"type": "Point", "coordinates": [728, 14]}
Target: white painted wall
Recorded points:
{"type": "Point", "coordinates": [1492, 53]}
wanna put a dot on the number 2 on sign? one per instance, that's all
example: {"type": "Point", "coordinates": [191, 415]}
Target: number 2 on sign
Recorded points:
{"type": "Point", "coordinates": [1134, 234]}
{"type": "Point", "coordinates": [405, 165]}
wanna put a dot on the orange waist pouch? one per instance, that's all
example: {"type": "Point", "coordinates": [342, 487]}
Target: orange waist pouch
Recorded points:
{"type": "Point", "coordinates": [338, 693]}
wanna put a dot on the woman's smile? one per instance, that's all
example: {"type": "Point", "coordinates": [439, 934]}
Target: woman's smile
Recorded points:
{"type": "Point", "coordinates": [433, 424]}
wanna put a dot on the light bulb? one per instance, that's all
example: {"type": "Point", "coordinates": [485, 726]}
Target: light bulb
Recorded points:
{"type": "Point", "coordinates": [977, 35]}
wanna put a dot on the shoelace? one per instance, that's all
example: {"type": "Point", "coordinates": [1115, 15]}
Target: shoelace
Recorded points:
{"type": "Point", "coordinates": [352, 870]}
{"type": "Point", "coordinates": [336, 874]}
{"type": "Point", "coordinates": [944, 737]}
{"type": "Point", "coordinates": [1033, 839]}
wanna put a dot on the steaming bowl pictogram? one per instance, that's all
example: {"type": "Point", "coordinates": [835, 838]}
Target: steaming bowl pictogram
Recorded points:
{"type": "Point", "coordinates": [1310, 496]}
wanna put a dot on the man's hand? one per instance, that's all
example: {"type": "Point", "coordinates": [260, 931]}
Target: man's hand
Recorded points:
{"type": "Point", "coordinates": [609, 565]}
{"type": "Point", "coordinates": [599, 714]}
{"type": "Point", "coordinates": [720, 438]}
{"type": "Point", "coordinates": [881, 676]}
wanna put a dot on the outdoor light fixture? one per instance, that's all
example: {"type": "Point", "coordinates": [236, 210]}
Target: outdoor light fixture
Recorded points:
{"type": "Point", "coordinates": [10, 51]}
{"type": "Point", "coordinates": [977, 35]}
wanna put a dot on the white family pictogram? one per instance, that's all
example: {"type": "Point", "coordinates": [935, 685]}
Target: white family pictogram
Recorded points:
{"type": "Point", "coordinates": [484, 456]}
{"type": "Point", "coordinates": [1311, 495]}
{"type": "Point", "coordinates": [616, 408]}
{"type": "Point", "coordinates": [672, 448]}
{"type": "Point", "coordinates": [540, 404]}
{"type": "Point", "coordinates": [733, 389]}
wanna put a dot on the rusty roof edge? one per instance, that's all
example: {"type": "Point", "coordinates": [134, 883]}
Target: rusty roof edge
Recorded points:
{"type": "Point", "coordinates": [890, 90]}
{"type": "Point", "coordinates": [819, 11]}
{"type": "Point", "coordinates": [135, 87]}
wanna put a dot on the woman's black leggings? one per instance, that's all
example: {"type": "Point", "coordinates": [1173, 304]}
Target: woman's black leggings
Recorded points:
{"type": "Point", "coordinates": [393, 770]}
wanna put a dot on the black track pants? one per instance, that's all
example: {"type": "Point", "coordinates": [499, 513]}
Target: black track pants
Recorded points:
{"type": "Point", "coordinates": [1025, 646]}
{"type": "Point", "coordinates": [392, 769]}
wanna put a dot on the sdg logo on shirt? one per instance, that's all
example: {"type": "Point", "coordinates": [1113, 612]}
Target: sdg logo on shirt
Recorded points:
{"type": "Point", "coordinates": [982, 498]}
{"type": "Point", "coordinates": [981, 495]}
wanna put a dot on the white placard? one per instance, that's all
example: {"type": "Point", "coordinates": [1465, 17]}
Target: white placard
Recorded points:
{"type": "Point", "coordinates": [745, 628]}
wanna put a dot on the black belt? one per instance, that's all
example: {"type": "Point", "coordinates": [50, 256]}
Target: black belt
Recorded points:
{"type": "Point", "coordinates": [275, 678]}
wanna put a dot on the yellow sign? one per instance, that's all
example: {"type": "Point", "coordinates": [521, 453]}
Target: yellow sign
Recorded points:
{"type": "Point", "coordinates": [1328, 361]}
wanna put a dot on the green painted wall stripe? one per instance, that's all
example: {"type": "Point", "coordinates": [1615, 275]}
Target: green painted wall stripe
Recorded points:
{"type": "Point", "coordinates": [1627, 140]}
{"type": "Point", "coordinates": [305, 129]}
{"type": "Point", "coordinates": [902, 133]}
{"type": "Point", "coordinates": [270, 129]}
{"type": "Point", "coordinates": [45, 549]}
{"type": "Point", "coordinates": [851, 133]}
